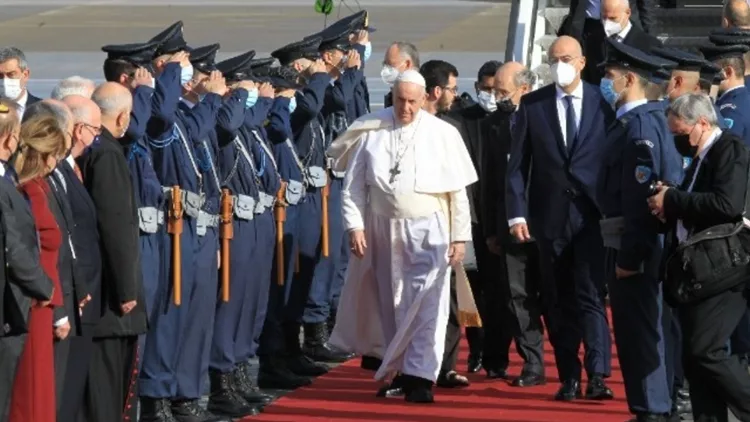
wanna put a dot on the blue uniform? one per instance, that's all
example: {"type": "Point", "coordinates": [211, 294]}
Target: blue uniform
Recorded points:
{"type": "Point", "coordinates": [360, 102]}
{"type": "Point", "coordinates": [165, 375]}
{"type": "Point", "coordinates": [734, 106]}
{"type": "Point", "coordinates": [642, 151]}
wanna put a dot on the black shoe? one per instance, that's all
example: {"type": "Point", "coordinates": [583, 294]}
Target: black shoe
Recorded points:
{"type": "Point", "coordinates": [418, 390]}
{"type": "Point", "coordinates": [191, 411]}
{"type": "Point", "coordinates": [370, 363]}
{"type": "Point", "coordinates": [394, 389]}
{"type": "Point", "coordinates": [683, 394]}
{"type": "Point", "coordinates": [316, 345]}
{"type": "Point", "coordinates": [494, 374]}
{"type": "Point", "coordinates": [681, 406]}
{"type": "Point", "coordinates": [224, 400]}
{"type": "Point", "coordinates": [243, 385]}
{"type": "Point", "coordinates": [647, 417]}
{"type": "Point", "coordinates": [304, 366]}
{"type": "Point", "coordinates": [474, 363]}
{"type": "Point", "coordinates": [569, 391]}
{"type": "Point", "coordinates": [529, 379]}
{"type": "Point", "coordinates": [274, 374]}
{"type": "Point", "coordinates": [597, 389]}
{"type": "Point", "coordinates": [452, 380]}
{"type": "Point", "coordinates": [156, 410]}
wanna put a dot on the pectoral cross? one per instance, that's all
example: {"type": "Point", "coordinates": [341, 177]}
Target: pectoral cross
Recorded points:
{"type": "Point", "coordinates": [394, 172]}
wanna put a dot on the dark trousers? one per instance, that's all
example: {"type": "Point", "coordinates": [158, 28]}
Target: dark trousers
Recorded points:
{"type": "Point", "coordinates": [717, 380]}
{"type": "Point", "coordinates": [11, 348]}
{"type": "Point", "coordinates": [112, 381]}
{"type": "Point", "coordinates": [452, 334]}
{"type": "Point", "coordinates": [573, 292]}
{"type": "Point", "coordinates": [74, 389]}
{"type": "Point", "coordinates": [593, 49]}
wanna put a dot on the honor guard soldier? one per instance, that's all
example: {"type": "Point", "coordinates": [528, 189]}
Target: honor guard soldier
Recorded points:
{"type": "Point", "coordinates": [167, 386]}
{"type": "Point", "coordinates": [685, 76]}
{"type": "Point", "coordinates": [642, 153]}
{"type": "Point", "coordinates": [343, 65]}
{"type": "Point", "coordinates": [359, 25]}
{"type": "Point", "coordinates": [657, 88]}
{"type": "Point", "coordinates": [734, 98]}
{"type": "Point", "coordinates": [732, 36]}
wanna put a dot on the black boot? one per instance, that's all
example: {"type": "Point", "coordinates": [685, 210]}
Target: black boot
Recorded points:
{"type": "Point", "coordinates": [244, 386]}
{"type": "Point", "coordinates": [275, 374]}
{"type": "Point", "coordinates": [295, 361]}
{"type": "Point", "coordinates": [224, 400]}
{"type": "Point", "coordinates": [417, 390]}
{"type": "Point", "coordinates": [316, 347]}
{"type": "Point", "coordinates": [191, 411]}
{"type": "Point", "coordinates": [331, 322]}
{"type": "Point", "coordinates": [156, 410]}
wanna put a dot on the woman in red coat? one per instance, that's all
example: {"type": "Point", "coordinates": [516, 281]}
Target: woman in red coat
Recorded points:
{"type": "Point", "coordinates": [42, 144]}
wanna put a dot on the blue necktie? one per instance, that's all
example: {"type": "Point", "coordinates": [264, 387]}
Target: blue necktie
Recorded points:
{"type": "Point", "coordinates": [571, 128]}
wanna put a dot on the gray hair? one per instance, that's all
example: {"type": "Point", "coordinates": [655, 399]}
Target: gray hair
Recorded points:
{"type": "Point", "coordinates": [691, 107]}
{"type": "Point", "coordinates": [74, 85]}
{"type": "Point", "coordinates": [10, 53]}
{"type": "Point", "coordinates": [408, 51]}
{"type": "Point", "coordinates": [525, 77]}
{"type": "Point", "coordinates": [59, 112]}
{"type": "Point", "coordinates": [112, 105]}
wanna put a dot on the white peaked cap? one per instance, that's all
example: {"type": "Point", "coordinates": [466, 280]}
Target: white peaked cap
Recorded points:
{"type": "Point", "coordinates": [412, 76]}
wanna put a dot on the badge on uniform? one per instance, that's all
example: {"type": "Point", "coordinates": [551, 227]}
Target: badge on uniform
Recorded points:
{"type": "Point", "coordinates": [642, 142]}
{"type": "Point", "coordinates": [727, 105]}
{"type": "Point", "coordinates": [642, 174]}
{"type": "Point", "coordinates": [686, 162]}
{"type": "Point", "coordinates": [729, 123]}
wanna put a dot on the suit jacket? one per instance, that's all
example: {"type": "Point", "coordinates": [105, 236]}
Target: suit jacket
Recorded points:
{"type": "Point", "coordinates": [558, 177]}
{"type": "Point", "coordinates": [23, 277]}
{"type": "Point", "coordinates": [107, 180]}
{"type": "Point", "coordinates": [642, 16]}
{"type": "Point", "coordinates": [31, 99]}
{"type": "Point", "coordinates": [471, 118]}
{"type": "Point", "coordinates": [641, 40]}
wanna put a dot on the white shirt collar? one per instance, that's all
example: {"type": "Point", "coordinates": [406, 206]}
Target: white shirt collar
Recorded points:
{"type": "Point", "coordinates": [577, 93]}
{"type": "Point", "coordinates": [188, 103]}
{"type": "Point", "coordinates": [71, 161]}
{"type": "Point", "coordinates": [709, 143]}
{"type": "Point", "coordinates": [629, 106]}
{"type": "Point", "coordinates": [625, 31]}
{"type": "Point", "coordinates": [2, 171]}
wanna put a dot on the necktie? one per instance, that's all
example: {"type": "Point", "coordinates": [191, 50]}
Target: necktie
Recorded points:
{"type": "Point", "coordinates": [77, 171]}
{"type": "Point", "coordinates": [690, 173]}
{"type": "Point", "coordinates": [616, 38]}
{"type": "Point", "coordinates": [571, 126]}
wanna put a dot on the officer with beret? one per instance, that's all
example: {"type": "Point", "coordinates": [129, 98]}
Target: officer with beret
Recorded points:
{"type": "Point", "coordinates": [643, 151]}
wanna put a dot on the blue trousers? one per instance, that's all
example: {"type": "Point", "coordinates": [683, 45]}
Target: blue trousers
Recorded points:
{"type": "Point", "coordinates": [308, 242]}
{"type": "Point", "coordinates": [340, 277]}
{"type": "Point", "coordinates": [151, 272]}
{"type": "Point", "coordinates": [158, 378]}
{"type": "Point", "coordinates": [256, 293]}
{"type": "Point", "coordinates": [272, 336]}
{"type": "Point", "coordinates": [200, 304]}
{"type": "Point", "coordinates": [229, 315]}
{"type": "Point", "coordinates": [326, 269]}
{"type": "Point", "coordinates": [637, 306]}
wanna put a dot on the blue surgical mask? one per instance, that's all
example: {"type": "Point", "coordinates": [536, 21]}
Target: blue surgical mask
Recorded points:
{"type": "Point", "coordinates": [292, 105]}
{"type": "Point", "coordinates": [186, 74]}
{"type": "Point", "coordinates": [368, 51]}
{"type": "Point", "coordinates": [252, 98]}
{"type": "Point", "coordinates": [607, 88]}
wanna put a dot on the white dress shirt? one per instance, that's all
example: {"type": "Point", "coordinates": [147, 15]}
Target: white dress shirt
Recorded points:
{"type": "Point", "coordinates": [682, 233]}
{"type": "Point", "coordinates": [620, 36]}
{"type": "Point", "coordinates": [21, 103]}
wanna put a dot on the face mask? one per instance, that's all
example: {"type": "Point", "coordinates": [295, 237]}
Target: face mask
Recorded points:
{"type": "Point", "coordinates": [506, 105]}
{"type": "Point", "coordinates": [10, 88]}
{"type": "Point", "coordinates": [612, 28]}
{"type": "Point", "coordinates": [389, 74]}
{"type": "Point", "coordinates": [292, 105]}
{"type": "Point", "coordinates": [487, 101]}
{"type": "Point", "coordinates": [563, 74]}
{"type": "Point", "coordinates": [607, 88]}
{"type": "Point", "coordinates": [683, 146]}
{"type": "Point", "coordinates": [368, 51]}
{"type": "Point", "coordinates": [186, 74]}
{"type": "Point", "coordinates": [252, 98]}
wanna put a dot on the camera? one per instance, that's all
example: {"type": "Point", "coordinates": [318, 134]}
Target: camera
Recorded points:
{"type": "Point", "coordinates": [653, 188]}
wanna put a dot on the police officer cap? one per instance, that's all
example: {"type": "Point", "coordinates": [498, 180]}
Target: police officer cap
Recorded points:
{"type": "Point", "coordinates": [284, 77]}
{"type": "Point", "coordinates": [305, 49]}
{"type": "Point", "coordinates": [138, 54]}
{"type": "Point", "coordinates": [357, 22]}
{"type": "Point", "coordinates": [259, 68]}
{"type": "Point", "coordinates": [335, 37]}
{"type": "Point", "coordinates": [203, 59]}
{"type": "Point", "coordinates": [710, 73]}
{"type": "Point", "coordinates": [170, 40]}
{"type": "Point", "coordinates": [660, 76]}
{"type": "Point", "coordinates": [714, 53]}
{"type": "Point", "coordinates": [237, 68]}
{"type": "Point", "coordinates": [634, 60]}
{"type": "Point", "coordinates": [684, 60]}
{"type": "Point", "coordinates": [730, 36]}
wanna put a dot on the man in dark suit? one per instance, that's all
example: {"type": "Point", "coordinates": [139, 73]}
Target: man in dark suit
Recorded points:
{"type": "Point", "coordinates": [23, 283]}
{"type": "Point", "coordinates": [111, 380]}
{"type": "Point", "coordinates": [399, 57]}
{"type": "Point", "coordinates": [14, 76]}
{"type": "Point", "coordinates": [591, 21]}
{"type": "Point", "coordinates": [562, 129]}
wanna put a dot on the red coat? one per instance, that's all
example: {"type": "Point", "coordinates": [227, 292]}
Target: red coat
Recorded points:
{"type": "Point", "coordinates": [33, 397]}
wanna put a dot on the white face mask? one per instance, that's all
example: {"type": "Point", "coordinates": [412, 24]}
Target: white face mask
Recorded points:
{"type": "Point", "coordinates": [10, 88]}
{"type": "Point", "coordinates": [389, 74]}
{"type": "Point", "coordinates": [487, 101]}
{"type": "Point", "coordinates": [612, 28]}
{"type": "Point", "coordinates": [563, 74]}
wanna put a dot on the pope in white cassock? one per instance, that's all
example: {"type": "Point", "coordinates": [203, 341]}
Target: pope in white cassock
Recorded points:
{"type": "Point", "coordinates": [407, 215]}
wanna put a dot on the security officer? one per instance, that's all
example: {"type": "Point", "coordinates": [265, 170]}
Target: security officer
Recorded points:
{"type": "Point", "coordinates": [657, 87]}
{"type": "Point", "coordinates": [282, 365]}
{"type": "Point", "coordinates": [344, 67]}
{"type": "Point", "coordinates": [359, 25]}
{"type": "Point", "coordinates": [685, 76]}
{"type": "Point", "coordinates": [731, 36]}
{"type": "Point", "coordinates": [734, 98]}
{"type": "Point", "coordinates": [642, 152]}
{"type": "Point", "coordinates": [165, 384]}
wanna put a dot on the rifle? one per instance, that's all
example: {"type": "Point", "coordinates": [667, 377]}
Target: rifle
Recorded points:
{"type": "Point", "coordinates": [226, 234]}
{"type": "Point", "coordinates": [324, 232]}
{"type": "Point", "coordinates": [279, 212]}
{"type": "Point", "coordinates": [174, 227]}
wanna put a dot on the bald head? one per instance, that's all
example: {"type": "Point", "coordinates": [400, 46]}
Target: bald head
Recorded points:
{"type": "Point", "coordinates": [87, 121]}
{"type": "Point", "coordinates": [736, 14]}
{"type": "Point", "coordinates": [115, 102]}
{"type": "Point", "coordinates": [566, 62]}
{"type": "Point", "coordinates": [513, 80]}
{"type": "Point", "coordinates": [565, 46]}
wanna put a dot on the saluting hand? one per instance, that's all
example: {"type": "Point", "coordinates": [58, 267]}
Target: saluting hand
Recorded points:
{"type": "Point", "coordinates": [215, 83]}
{"type": "Point", "coordinates": [266, 90]}
{"type": "Point", "coordinates": [142, 77]}
{"type": "Point", "coordinates": [354, 61]}
{"type": "Point", "coordinates": [318, 66]}
{"type": "Point", "coordinates": [456, 253]}
{"type": "Point", "coordinates": [180, 57]}
{"type": "Point", "coordinates": [358, 243]}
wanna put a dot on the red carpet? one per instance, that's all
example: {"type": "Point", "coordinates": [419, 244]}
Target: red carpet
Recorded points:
{"type": "Point", "coordinates": [347, 393]}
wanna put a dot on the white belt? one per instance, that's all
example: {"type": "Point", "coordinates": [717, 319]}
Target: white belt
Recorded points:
{"type": "Point", "coordinates": [411, 205]}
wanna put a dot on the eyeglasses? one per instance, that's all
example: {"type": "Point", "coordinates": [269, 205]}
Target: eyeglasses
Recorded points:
{"type": "Point", "coordinates": [451, 89]}
{"type": "Point", "coordinates": [96, 130]}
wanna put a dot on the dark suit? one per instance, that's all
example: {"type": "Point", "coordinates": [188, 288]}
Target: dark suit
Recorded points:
{"type": "Point", "coordinates": [21, 280]}
{"type": "Point", "coordinates": [563, 215]}
{"type": "Point", "coordinates": [107, 180]}
{"type": "Point", "coordinates": [717, 380]}
{"type": "Point", "coordinates": [31, 99]}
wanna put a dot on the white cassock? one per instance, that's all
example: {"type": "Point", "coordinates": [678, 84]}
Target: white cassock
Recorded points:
{"type": "Point", "coordinates": [395, 302]}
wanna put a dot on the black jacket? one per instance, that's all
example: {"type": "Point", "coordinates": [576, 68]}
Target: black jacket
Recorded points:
{"type": "Point", "coordinates": [472, 118]}
{"type": "Point", "coordinates": [107, 179]}
{"type": "Point", "coordinates": [642, 16]}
